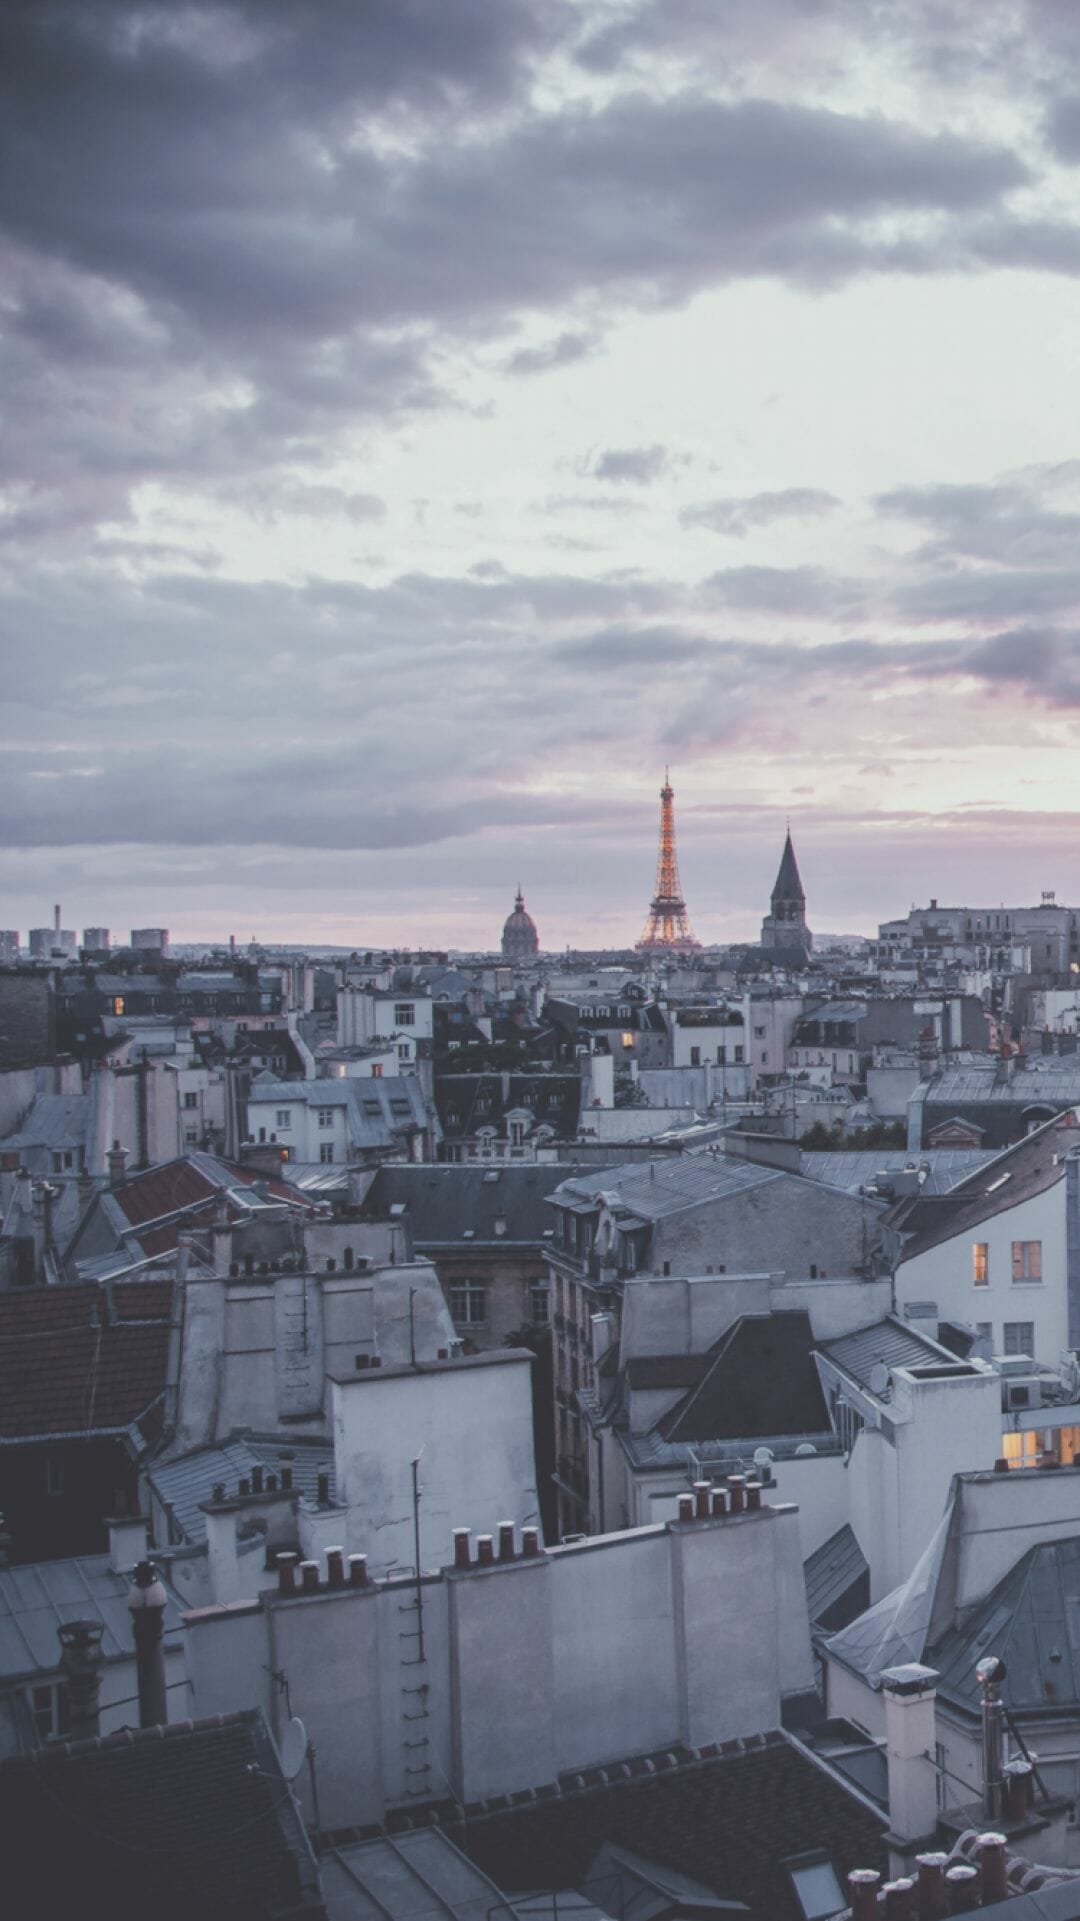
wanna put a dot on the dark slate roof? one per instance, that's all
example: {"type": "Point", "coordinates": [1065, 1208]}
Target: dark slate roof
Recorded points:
{"type": "Point", "coordinates": [762, 1380]}
{"type": "Point", "coordinates": [1030, 1620]}
{"type": "Point", "coordinates": [71, 1363]}
{"type": "Point", "coordinates": [665, 1370]}
{"type": "Point", "coordinates": [832, 1571]}
{"type": "Point", "coordinates": [447, 1203]}
{"type": "Point", "coordinates": [788, 884]}
{"type": "Point", "coordinates": [729, 1820]}
{"type": "Point", "coordinates": [191, 1819]}
{"type": "Point", "coordinates": [1033, 1165]}
{"type": "Point", "coordinates": [891, 1341]}
{"type": "Point", "coordinates": [553, 1099]}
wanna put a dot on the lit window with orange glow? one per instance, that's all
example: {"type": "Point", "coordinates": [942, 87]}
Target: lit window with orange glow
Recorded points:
{"type": "Point", "coordinates": [980, 1263]}
{"type": "Point", "coordinates": [118, 1004]}
{"type": "Point", "coordinates": [628, 1040]}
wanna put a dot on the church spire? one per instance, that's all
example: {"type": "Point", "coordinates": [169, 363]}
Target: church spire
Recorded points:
{"type": "Point", "coordinates": [784, 926]}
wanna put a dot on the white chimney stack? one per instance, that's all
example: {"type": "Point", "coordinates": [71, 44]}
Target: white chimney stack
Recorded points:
{"type": "Point", "coordinates": [910, 1735]}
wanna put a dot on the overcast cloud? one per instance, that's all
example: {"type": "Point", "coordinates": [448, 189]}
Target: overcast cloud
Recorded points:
{"type": "Point", "coordinates": [423, 421]}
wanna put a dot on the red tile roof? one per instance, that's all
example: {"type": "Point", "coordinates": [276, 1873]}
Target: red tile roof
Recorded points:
{"type": "Point", "coordinates": [190, 1185]}
{"type": "Point", "coordinates": [71, 1363]}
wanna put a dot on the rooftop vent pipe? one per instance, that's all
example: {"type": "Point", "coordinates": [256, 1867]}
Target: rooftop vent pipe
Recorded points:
{"type": "Point", "coordinates": [147, 1599]}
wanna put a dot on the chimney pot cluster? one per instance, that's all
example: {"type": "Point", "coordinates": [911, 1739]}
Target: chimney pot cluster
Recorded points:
{"type": "Point", "coordinates": [708, 1502]}
{"type": "Point", "coordinates": [335, 1567]}
{"type": "Point", "coordinates": [309, 1576]}
{"type": "Point", "coordinates": [933, 1900]}
{"type": "Point", "coordinates": [962, 1884]}
{"type": "Point", "coordinates": [485, 1546]}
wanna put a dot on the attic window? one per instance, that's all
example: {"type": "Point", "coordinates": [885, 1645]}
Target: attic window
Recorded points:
{"type": "Point", "coordinates": [469, 1234]}
{"type": "Point", "coordinates": [817, 1890]}
{"type": "Point", "coordinates": [1000, 1182]}
{"type": "Point", "coordinates": [494, 1175]}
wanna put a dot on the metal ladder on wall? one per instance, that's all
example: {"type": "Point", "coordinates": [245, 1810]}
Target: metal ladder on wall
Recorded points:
{"type": "Point", "coordinates": [415, 1699]}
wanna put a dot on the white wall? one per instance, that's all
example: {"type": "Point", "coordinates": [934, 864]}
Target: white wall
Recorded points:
{"type": "Point", "coordinates": [944, 1274]}
{"type": "Point", "coordinates": [470, 1422]}
{"type": "Point", "coordinates": [581, 1656]}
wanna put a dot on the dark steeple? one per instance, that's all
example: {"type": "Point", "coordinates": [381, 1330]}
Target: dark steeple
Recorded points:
{"type": "Point", "coordinates": [789, 887]}
{"type": "Point", "coordinates": [784, 927]}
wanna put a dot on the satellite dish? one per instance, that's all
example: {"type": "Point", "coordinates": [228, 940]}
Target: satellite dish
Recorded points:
{"type": "Point", "coordinates": [762, 1456]}
{"type": "Point", "coordinates": [879, 1378]}
{"type": "Point", "coordinates": [805, 1448]}
{"type": "Point", "coordinates": [293, 1748]}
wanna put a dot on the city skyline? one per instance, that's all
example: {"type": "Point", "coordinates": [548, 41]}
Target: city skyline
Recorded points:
{"type": "Point", "coordinates": [420, 435]}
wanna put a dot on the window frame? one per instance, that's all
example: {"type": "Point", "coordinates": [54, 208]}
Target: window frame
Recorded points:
{"type": "Point", "coordinates": [1027, 1263]}
{"type": "Point", "coordinates": [980, 1263]}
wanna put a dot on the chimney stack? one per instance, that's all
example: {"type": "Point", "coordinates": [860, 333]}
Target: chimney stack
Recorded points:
{"type": "Point", "coordinates": [116, 1160]}
{"type": "Point", "coordinates": [81, 1663]}
{"type": "Point", "coordinates": [146, 1599]}
{"type": "Point", "coordinates": [56, 918]}
{"type": "Point", "coordinates": [910, 1694]}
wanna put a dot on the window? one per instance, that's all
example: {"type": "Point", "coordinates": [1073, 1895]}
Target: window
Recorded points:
{"type": "Point", "coordinates": [1020, 1337]}
{"type": "Point", "coordinates": [984, 1340]}
{"type": "Point", "coordinates": [759, 1033]}
{"type": "Point", "coordinates": [539, 1312]}
{"type": "Point", "coordinates": [738, 1055]}
{"type": "Point", "coordinates": [118, 1004]}
{"type": "Point", "coordinates": [817, 1890]}
{"type": "Point", "coordinates": [468, 1304]}
{"type": "Point", "coordinates": [404, 1051]}
{"type": "Point", "coordinates": [191, 1136]}
{"type": "Point", "coordinates": [283, 1117]}
{"type": "Point", "coordinates": [628, 1039]}
{"type": "Point", "coordinates": [51, 1709]}
{"type": "Point", "coordinates": [980, 1264]}
{"type": "Point", "coordinates": [695, 1057]}
{"type": "Point", "coordinates": [326, 1152]}
{"type": "Point", "coordinates": [62, 1160]}
{"type": "Point", "coordinates": [376, 1070]}
{"type": "Point", "coordinates": [1027, 1260]}
{"type": "Point", "coordinates": [721, 1056]}
{"type": "Point", "coordinates": [326, 1117]}
{"type": "Point", "coordinates": [191, 1100]}
{"type": "Point", "coordinates": [405, 1014]}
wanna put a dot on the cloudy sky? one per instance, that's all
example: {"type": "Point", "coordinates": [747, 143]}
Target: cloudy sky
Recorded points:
{"type": "Point", "coordinates": [424, 419]}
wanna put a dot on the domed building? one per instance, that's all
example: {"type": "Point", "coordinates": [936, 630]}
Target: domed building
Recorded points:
{"type": "Point", "coordinates": [520, 940]}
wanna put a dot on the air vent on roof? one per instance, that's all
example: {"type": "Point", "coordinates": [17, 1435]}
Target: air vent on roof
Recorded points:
{"type": "Point", "coordinates": [469, 1234]}
{"type": "Point", "coordinates": [493, 1175]}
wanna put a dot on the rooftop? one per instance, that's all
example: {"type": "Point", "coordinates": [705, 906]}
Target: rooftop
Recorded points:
{"type": "Point", "coordinates": [729, 1819]}
{"type": "Point", "coordinates": [184, 1483]}
{"type": "Point", "coordinates": [190, 1819]}
{"type": "Point", "coordinates": [760, 1380]}
{"type": "Point", "coordinates": [36, 1598]}
{"type": "Point", "coordinates": [891, 1342]}
{"type": "Point", "coordinates": [446, 1204]}
{"type": "Point", "coordinates": [81, 1359]}
{"type": "Point", "coordinates": [653, 1189]}
{"type": "Point", "coordinates": [1017, 1174]}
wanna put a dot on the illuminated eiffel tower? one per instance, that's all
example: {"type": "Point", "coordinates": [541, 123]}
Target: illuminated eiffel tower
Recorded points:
{"type": "Point", "coordinates": [668, 928]}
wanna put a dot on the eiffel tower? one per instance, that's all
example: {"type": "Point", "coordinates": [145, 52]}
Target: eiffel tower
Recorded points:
{"type": "Point", "coordinates": [668, 928]}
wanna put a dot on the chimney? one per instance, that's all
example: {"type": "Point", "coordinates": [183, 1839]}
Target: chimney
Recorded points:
{"type": "Point", "coordinates": [80, 1663]}
{"type": "Point", "coordinates": [221, 1554]}
{"type": "Point", "coordinates": [127, 1542]}
{"type": "Point", "coordinates": [221, 1237]}
{"type": "Point", "coordinates": [993, 1869]}
{"type": "Point", "coordinates": [909, 1693]}
{"type": "Point", "coordinates": [116, 1160]}
{"type": "Point", "coordinates": [146, 1599]}
{"type": "Point", "coordinates": [56, 918]}
{"type": "Point", "coordinates": [933, 1899]}
{"type": "Point", "coordinates": [863, 1885]}
{"type": "Point", "coordinates": [990, 1673]}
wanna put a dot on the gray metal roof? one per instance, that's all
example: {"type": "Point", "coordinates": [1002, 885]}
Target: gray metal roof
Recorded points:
{"type": "Point", "coordinates": [1050, 1081]}
{"type": "Point", "coordinates": [35, 1599]}
{"type": "Point", "coordinates": [183, 1484]}
{"type": "Point", "coordinates": [652, 1189]}
{"type": "Point", "coordinates": [415, 1876]}
{"type": "Point", "coordinates": [446, 1203]}
{"type": "Point", "coordinates": [1031, 1620]}
{"type": "Point", "coordinates": [891, 1341]}
{"type": "Point", "coordinates": [376, 1108]}
{"type": "Point", "coordinates": [832, 1570]}
{"type": "Point", "coordinates": [54, 1120]}
{"type": "Point", "coordinates": [851, 1171]}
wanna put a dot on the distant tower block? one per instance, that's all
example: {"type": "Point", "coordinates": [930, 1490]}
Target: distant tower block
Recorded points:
{"type": "Point", "coordinates": [520, 940]}
{"type": "Point", "coordinates": [668, 928]}
{"type": "Point", "coordinates": [784, 926]}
